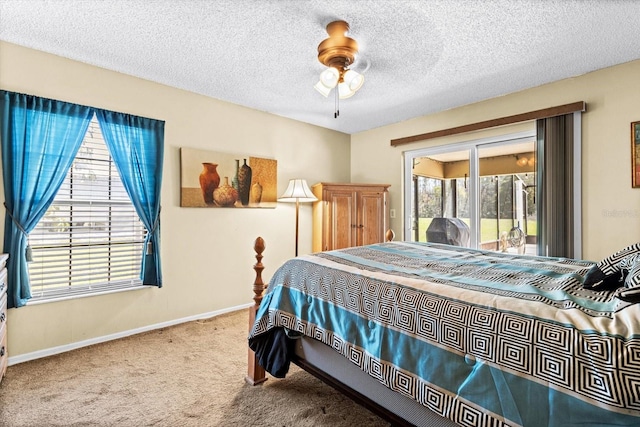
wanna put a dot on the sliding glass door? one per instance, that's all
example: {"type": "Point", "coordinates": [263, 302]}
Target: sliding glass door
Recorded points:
{"type": "Point", "coordinates": [507, 197]}
{"type": "Point", "coordinates": [480, 194]}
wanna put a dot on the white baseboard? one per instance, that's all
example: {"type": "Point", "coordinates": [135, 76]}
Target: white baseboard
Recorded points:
{"type": "Point", "coordinates": [79, 344]}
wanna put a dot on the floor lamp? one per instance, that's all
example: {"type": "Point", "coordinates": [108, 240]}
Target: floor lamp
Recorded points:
{"type": "Point", "coordinates": [297, 191]}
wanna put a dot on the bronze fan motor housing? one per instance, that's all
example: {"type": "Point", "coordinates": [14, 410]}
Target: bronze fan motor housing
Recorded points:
{"type": "Point", "coordinates": [338, 51]}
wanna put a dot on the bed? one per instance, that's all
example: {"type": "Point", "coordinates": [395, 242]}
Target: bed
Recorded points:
{"type": "Point", "coordinates": [431, 334]}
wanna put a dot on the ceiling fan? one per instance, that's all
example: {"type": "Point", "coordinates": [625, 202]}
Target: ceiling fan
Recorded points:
{"type": "Point", "coordinates": [338, 53]}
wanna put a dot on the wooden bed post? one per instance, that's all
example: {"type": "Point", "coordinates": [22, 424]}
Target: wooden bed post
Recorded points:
{"type": "Point", "coordinates": [390, 235]}
{"type": "Point", "coordinates": [255, 373]}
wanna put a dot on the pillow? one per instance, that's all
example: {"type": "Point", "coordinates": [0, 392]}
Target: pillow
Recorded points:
{"type": "Point", "coordinates": [608, 274]}
{"type": "Point", "coordinates": [631, 290]}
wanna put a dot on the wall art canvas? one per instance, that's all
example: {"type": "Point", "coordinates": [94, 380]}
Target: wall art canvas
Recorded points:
{"type": "Point", "coordinates": [224, 180]}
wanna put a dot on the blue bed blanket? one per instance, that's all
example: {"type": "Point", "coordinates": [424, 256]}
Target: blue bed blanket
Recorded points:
{"type": "Point", "coordinates": [480, 337]}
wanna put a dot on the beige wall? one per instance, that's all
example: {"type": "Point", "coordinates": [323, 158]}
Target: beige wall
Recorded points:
{"type": "Point", "coordinates": [610, 207]}
{"type": "Point", "coordinates": [207, 253]}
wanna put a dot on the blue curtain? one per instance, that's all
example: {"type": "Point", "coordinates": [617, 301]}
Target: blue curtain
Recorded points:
{"type": "Point", "coordinates": [137, 147]}
{"type": "Point", "coordinates": [40, 138]}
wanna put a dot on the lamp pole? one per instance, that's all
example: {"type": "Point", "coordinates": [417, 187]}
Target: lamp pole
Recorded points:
{"type": "Point", "coordinates": [297, 210]}
{"type": "Point", "coordinates": [297, 191]}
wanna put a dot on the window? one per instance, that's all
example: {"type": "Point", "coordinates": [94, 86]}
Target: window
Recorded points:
{"type": "Point", "coordinates": [90, 234]}
{"type": "Point", "coordinates": [90, 239]}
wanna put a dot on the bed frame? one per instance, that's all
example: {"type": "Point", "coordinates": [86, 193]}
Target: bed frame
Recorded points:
{"type": "Point", "coordinates": [332, 368]}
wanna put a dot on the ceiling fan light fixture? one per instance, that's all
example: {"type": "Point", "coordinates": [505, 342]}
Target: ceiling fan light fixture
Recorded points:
{"type": "Point", "coordinates": [338, 53]}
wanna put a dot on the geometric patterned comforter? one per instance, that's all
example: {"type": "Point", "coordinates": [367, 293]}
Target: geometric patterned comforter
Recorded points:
{"type": "Point", "coordinates": [482, 338]}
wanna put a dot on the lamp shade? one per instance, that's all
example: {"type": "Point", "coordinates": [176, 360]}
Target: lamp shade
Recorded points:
{"type": "Point", "coordinates": [297, 191]}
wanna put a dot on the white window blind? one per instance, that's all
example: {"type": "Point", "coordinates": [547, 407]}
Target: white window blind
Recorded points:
{"type": "Point", "coordinates": [90, 239]}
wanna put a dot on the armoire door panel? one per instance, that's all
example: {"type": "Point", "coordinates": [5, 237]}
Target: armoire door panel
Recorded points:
{"type": "Point", "coordinates": [343, 206]}
{"type": "Point", "coordinates": [371, 210]}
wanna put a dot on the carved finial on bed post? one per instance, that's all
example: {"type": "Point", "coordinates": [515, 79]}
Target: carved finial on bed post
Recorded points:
{"type": "Point", "coordinates": [255, 373]}
{"type": "Point", "coordinates": [258, 284]}
{"type": "Point", "coordinates": [390, 235]}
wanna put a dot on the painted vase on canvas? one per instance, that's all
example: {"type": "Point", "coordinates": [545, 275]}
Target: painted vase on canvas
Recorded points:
{"type": "Point", "coordinates": [209, 181]}
{"type": "Point", "coordinates": [244, 183]}
{"type": "Point", "coordinates": [234, 181]}
{"type": "Point", "coordinates": [256, 193]}
{"type": "Point", "coordinates": [225, 195]}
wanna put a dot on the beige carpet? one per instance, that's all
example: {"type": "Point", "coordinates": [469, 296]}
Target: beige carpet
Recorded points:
{"type": "Point", "coordinates": [187, 375]}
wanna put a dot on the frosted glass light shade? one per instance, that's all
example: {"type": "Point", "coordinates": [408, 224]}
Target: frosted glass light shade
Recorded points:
{"type": "Point", "coordinates": [328, 80]}
{"type": "Point", "coordinates": [344, 91]}
{"type": "Point", "coordinates": [324, 91]}
{"type": "Point", "coordinates": [297, 191]}
{"type": "Point", "coordinates": [330, 77]}
{"type": "Point", "coordinates": [353, 79]}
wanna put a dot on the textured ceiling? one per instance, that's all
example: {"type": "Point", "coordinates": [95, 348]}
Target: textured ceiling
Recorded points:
{"type": "Point", "coordinates": [418, 57]}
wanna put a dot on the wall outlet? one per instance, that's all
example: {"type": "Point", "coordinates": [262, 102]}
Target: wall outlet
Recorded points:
{"type": "Point", "coordinates": [392, 213]}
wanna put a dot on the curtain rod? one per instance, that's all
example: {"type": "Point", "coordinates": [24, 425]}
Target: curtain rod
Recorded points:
{"type": "Point", "coordinates": [523, 117]}
{"type": "Point", "coordinates": [75, 103]}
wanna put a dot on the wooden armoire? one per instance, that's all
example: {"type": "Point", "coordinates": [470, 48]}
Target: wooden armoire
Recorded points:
{"type": "Point", "coordinates": [347, 215]}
